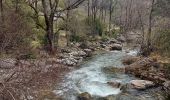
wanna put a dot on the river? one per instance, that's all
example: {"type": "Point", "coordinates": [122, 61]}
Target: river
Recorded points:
{"type": "Point", "coordinates": [91, 78]}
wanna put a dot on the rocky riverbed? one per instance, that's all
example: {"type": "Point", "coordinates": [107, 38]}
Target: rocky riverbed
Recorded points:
{"type": "Point", "coordinates": [77, 51]}
{"type": "Point", "coordinates": [149, 69]}
{"type": "Point", "coordinates": [109, 72]}
{"type": "Point", "coordinates": [105, 77]}
{"type": "Point", "coordinates": [39, 76]}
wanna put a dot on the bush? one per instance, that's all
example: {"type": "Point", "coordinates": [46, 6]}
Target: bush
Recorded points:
{"type": "Point", "coordinates": [105, 38]}
{"type": "Point", "coordinates": [96, 26]}
{"type": "Point", "coordinates": [15, 33]}
{"type": "Point", "coordinates": [115, 33]}
{"type": "Point", "coordinates": [76, 38]}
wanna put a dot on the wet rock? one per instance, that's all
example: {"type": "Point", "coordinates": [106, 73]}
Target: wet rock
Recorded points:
{"type": "Point", "coordinates": [88, 52]}
{"type": "Point", "coordinates": [110, 70]}
{"type": "Point", "coordinates": [123, 87]}
{"type": "Point", "coordinates": [129, 60]}
{"type": "Point", "coordinates": [84, 96]}
{"type": "Point", "coordinates": [115, 84]}
{"type": "Point", "coordinates": [141, 84]}
{"type": "Point", "coordinates": [167, 84]}
{"type": "Point", "coordinates": [167, 87]}
{"type": "Point", "coordinates": [124, 96]}
{"type": "Point", "coordinates": [116, 47]}
{"type": "Point", "coordinates": [147, 69]}
{"type": "Point", "coordinates": [110, 97]}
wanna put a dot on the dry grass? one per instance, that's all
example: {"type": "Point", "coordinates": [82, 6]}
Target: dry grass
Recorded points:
{"type": "Point", "coordinates": [29, 79]}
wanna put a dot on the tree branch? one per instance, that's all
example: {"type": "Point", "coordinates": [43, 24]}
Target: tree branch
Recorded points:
{"type": "Point", "coordinates": [72, 6]}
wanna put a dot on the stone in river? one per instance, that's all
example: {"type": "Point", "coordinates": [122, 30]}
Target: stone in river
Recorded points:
{"type": "Point", "coordinates": [84, 96]}
{"type": "Point", "coordinates": [141, 84]}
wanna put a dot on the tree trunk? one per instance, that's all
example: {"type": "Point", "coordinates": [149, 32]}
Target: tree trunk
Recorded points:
{"type": "Point", "coordinates": [150, 25]}
{"type": "Point", "coordinates": [49, 21]}
{"type": "Point", "coordinates": [16, 5]}
{"type": "Point", "coordinates": [49, 36]}
{"type": "Point", "coordinates": [1, 11]}
{"type": "Point", "coordinates": [110, 16]}
{"type": "Point", "coordinates": [88, 7]}
{"type": "Point", "coordinates": [146, 47]}
{"type": "Point", "coordinates": [67, 27]}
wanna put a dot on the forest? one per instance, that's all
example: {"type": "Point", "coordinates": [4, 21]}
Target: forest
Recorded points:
{"type": "Point", "coordinates": [84, 49]}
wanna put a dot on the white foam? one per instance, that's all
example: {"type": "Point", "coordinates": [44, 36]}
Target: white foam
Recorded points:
{"type": "Point", "coordinates": [99, 89]}
{"type": "Point", "coordinates": [133, 52]}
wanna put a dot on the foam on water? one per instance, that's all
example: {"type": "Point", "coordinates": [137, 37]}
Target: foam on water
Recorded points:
{"type": "Point", "coordinates": [133, 52]}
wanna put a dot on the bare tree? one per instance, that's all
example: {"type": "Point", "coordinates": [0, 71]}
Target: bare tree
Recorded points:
{"type": "Point", "coordinates": [51, 11]}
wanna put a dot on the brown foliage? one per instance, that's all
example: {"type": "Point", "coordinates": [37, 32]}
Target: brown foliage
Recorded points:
{"type": "Point", "coordinates": [14, 32]}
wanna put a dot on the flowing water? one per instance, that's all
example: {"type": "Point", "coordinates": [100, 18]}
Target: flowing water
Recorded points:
{"type": "Point", "coordinates": [91, 78]}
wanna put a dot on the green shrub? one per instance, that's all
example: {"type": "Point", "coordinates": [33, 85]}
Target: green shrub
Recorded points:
{"type": "Point", "coordinates": [99, 27]}
{"type": "Point", "coordinates": [96, 26]}
{"type": "Point", "coordinates": [76, 38]}
{"type": "Point", "coordinates": [115, 33]}
{"type": "Point", "coordinates": [105, 38]}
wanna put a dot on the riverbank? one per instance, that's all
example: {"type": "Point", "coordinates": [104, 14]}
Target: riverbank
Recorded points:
{"type": "Point", "coordinates": [40, 78]}
{"type": "Point", "coordinates": [104, 77]}
{"type": "Point", "coordinates": [153, 68]}
{"type": "Point", "coordinates": [35, 79]}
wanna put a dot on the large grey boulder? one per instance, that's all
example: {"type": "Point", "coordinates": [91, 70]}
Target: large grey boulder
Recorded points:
{"type": "Point", "coordinates": [130, 60]}
{"type": "Point", "coordinates": [141, 84]}
{"type": "Point", "coordinates": [115, 84]}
